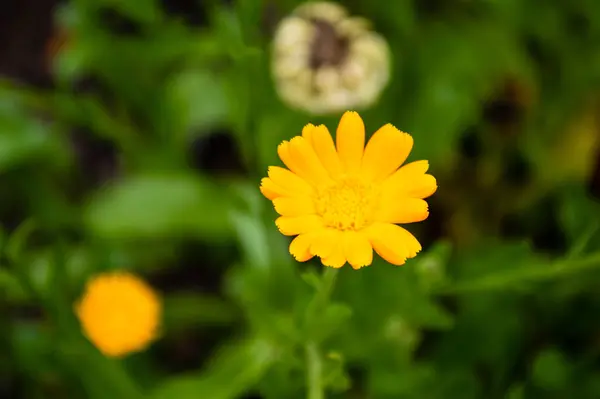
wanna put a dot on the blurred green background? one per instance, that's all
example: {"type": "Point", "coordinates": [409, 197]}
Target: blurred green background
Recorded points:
{"type": "Point", "coordinates": [140, 142]}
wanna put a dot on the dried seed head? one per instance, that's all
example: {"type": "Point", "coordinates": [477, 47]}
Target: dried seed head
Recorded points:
{"type": "Point", "coordinates": [325, 61]}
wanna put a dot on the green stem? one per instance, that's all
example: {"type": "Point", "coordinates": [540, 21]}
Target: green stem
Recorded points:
{"type": "Point", "coordinates": [329, 277]}
{"type": "Point", "coordinates": [498, 281]}
{"type": "Point", "coordinates": [314, 372]}
{"type": "Point", "coordinates": [322, 295]}
{"type": "Point", "coordinates": [583, 241]}
{"type": "Point", "coordinates": [314, 376]}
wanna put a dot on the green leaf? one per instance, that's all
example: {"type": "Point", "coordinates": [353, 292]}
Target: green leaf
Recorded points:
{"type": "Point", "coordinates": [583, 230]}
{"type": "Point", "coordinates": [229, 29]}
{"type": "Point", "coordinates": [79, 264]}
{"type": "Point", "coordinates": [17, 242]}
{"type": "Point", "coordinates": [328, 321]}
{"type": "Point", "coordinates": [40, 270]}
{"type": "Point", "coordinates": [335, 376]}
{"type": "Point", "coordinates": [11, 287]}
{"type": "Point", "coordinates": [197, 101]}
{"type": "Point", "coordinates": [252, 236]}
{"type": "Point", "coordinates": [248, 221]}
{"type": "Point", "coordinates": [312, 278]}
{"type": "Point", "coordinates": [233, 372]}
{"type": "Point", "coordinates": [22, 137]}
{"type": "Point", "coordinates": [537, 272]}
{"type": "Point", "coordinates": [159, 206]}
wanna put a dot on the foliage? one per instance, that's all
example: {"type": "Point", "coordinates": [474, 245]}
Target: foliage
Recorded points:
{"type": "Point", "coordinates": [146, 155]}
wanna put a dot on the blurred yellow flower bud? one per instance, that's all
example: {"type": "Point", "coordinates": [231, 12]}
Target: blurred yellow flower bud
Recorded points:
{"type": "Point", "coordinates": [119, 313]}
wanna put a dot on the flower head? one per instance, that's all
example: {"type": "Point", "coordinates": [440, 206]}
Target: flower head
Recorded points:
{"type": "Point", "coordinates": [119, 313]}
{"type": "Point", "coordinates": [343, 200]}
{"type": "Point", "coordinates": [325, 61]}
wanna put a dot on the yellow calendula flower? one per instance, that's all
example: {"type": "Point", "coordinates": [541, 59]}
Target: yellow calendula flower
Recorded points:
{"type": "Point", "coordinates": [345, 199]}
{"type": "Point", "coordinates": [119, 313]}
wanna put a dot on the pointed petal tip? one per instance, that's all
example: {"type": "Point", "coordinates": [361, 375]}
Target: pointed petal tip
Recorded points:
{"type": "Point", "coordinates": [351, 114]}
{"type": "Point", "coordinates": [307, 131]}
{"type": "Point", "coordinates": [350, 140]}
{"type": "Point", "coordinates": [326, 263]}
{"type": "Point", "coordinates": [296, 139]}
{"type": "Point", "coordinates": [277, 206]}
{"type": "Point", "coordinates": [270, 195]}
{"type": "Point", "coordinates": [272, 170]}
{"type": "Point", "coordinates": [357, 267]}
{"type": "Point", "coordinates": [301, 260]}
{"type": "Point", "coordinates": [278, 223]}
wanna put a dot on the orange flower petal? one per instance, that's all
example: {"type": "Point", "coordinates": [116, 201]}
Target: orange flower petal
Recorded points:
{"type": "Point", "coordinates": [300, 247]}
{"type": "Point", "coordinates": [358, 249]}
{"type": "Point", "coordinates": [306, 162]}
{"type": "Point", "coordinates": [270, 189]}
{"type": "Point", "coordinates": [325, 149]}
{"type": "Point", "coordinates": [422, 187]}
{"type": "Point", "coordinates": [289, 181]}
{"type": "Point", "coordinates": [294, 206]}
{"type": "Point", "coordinates": [350, 141]}
{"type": "Point", "coordinates": [294, 225]}
{"type": "Point", "coordinates": [336, 258]}
{"type": "Point", "coordinates": [307, 132]}
{"type": "Point", "coordinates": [416, 168]}
{"type": "Point", "coordinates": [283, 150]}
{"type": "Point", "coordinates": [411, 180]}
{"type": "Point", "coordinates": [402, 210]}
{"type": "Point", "coordinates": [387, 149]}
{"type": "Point", "coordinates": [393, 243]}
{"type": "Point", "coordinates": [325, 241]}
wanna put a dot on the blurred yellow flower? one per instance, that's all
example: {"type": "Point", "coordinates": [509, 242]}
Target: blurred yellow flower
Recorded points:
{"type": "Point", "coordinates": [119, 313]}
{"type": "Point", "coordinates": [343, 202]}
{"type": "Point", "coordinates": [325, 61]}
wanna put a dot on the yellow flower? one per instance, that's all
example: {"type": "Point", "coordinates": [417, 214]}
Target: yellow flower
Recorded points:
{"type": "Point", "coordinates": [119, 313]}
{"type": "Point", "coordinates": [343, 202]}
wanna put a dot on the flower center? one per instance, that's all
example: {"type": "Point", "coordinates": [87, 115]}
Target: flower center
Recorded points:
{"type": "Point", "coordinates": [347, 205]}
{"type": "Point", "coordinates": [328, 48]}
